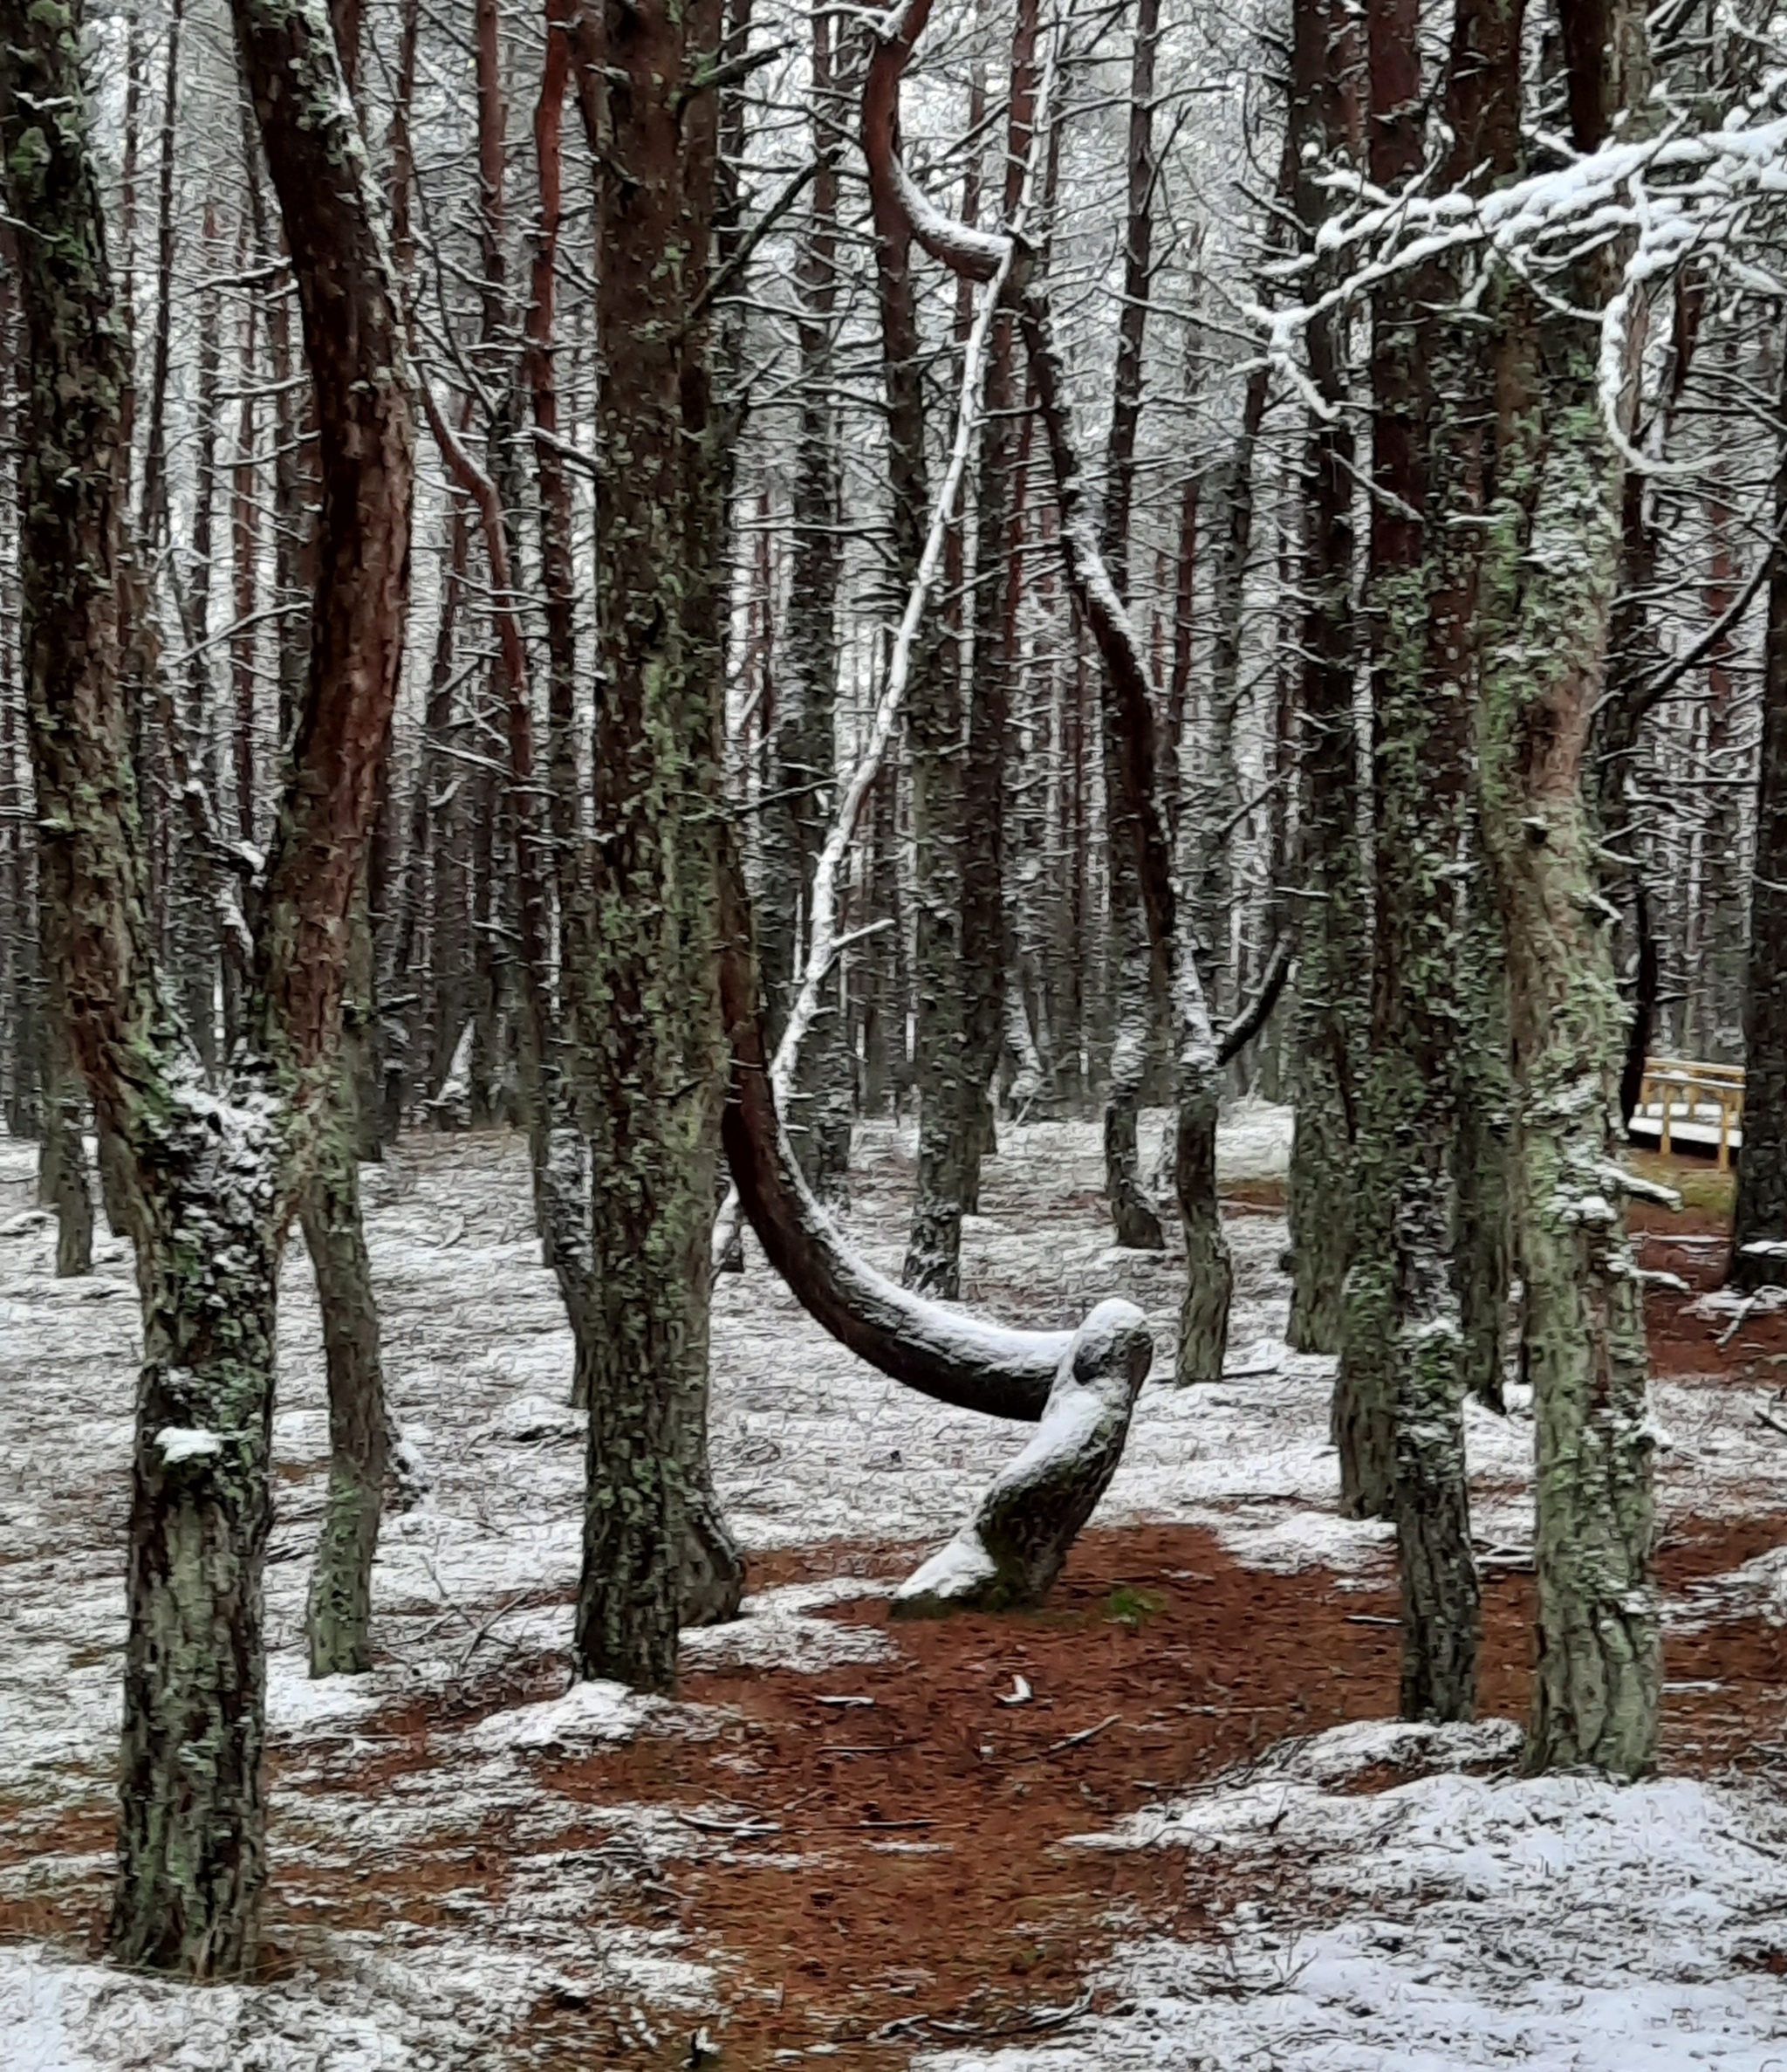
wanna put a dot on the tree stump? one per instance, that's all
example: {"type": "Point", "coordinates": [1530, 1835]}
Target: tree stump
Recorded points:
{"type": "Point", "coordinates": [1008, 1555]}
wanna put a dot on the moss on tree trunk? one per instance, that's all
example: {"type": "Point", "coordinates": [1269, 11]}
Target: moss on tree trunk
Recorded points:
{"type": "Point", "coordinates": [191, 1852]}
{"type": "Point", "coordinates": [339, 1613]}
{"type": "Point", "coordinates": [1548, 591]}
{"type": "Point", "coordinates": [648, 1057]}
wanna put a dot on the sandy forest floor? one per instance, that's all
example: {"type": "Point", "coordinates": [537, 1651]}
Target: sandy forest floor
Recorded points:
{"type": "Point", "coordinates": [1195, 1842]}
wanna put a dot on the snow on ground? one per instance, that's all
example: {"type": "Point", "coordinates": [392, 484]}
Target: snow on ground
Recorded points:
{"type": "Point", "coordinates": [1562, 1924]}
{"type": "Point", "coordinates": [474, 1581]}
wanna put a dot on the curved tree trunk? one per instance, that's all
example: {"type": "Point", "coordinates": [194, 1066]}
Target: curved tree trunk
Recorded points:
{"type": "Point", "coordinates": [1007, 1556]}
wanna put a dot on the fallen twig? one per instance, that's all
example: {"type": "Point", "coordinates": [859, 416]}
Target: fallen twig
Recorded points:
{"type": "Point", "coordinates": [739, 1830]}
{"type": "Point", "coordinates": [1086, 1733]}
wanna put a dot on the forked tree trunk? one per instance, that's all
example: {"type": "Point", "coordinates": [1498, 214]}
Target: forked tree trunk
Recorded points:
{"type": "Point", "coordinates": [213, 1179]}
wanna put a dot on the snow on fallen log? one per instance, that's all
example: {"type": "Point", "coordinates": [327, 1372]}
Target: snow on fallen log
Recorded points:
{"type": "Point", "coordinates": [1009, 1554]}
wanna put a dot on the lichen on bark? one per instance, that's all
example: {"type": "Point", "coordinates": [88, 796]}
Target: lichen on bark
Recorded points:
{"type": "Point", "coordinates": [647, 1057]}
{"type": "Point", "coordinates": [1548, 584]}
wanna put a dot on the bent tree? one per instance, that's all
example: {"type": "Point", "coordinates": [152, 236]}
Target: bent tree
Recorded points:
{"type": "Point", "coordinates": [903, 211]}
{"type": "Point", "coordinates": [214, 1175]}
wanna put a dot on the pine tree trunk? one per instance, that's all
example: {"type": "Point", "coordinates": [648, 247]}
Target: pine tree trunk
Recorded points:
{"type": "Point", "coordinates": [1545, 601]}
{"type": "Point", "coordinates": [1216, 803]}
{"type": "Point", "coordinates": [1134, 1223]}
{"type": "Point", "coordinates": [1210, 1274]}
{"type": "Point", "coordinates": [1548, 581]}
{"type": "Point", "coordinates": [1760, 1221]}
{"type": "Point", "coordinates": [1132, 1214]}
{"type": "Point", "coordinates": [339, 1614]}
{"type": "Point", "coordinates": [62, 1159]}
{"type": "Point", "coordinates": [650, 1057]}
{"type": "Point", "coordinates": [1482, 1236]}
{"type": "Point", "coordinates": [212, 1179]}
{"type": "Point", "coordinates": [986, 934]}
{"type": "Point", "coordinates": [1441, 1618]}
{"type": "Point", "coordinates": [191, 1849]}
{"type": "Point", "coordinates": [803, 743]}
{"type": "Point", "coordinates": [1331, 1010]}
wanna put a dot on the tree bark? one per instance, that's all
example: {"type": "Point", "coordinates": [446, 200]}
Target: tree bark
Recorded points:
{"type": "Point", "coordinates": [933, 728]}
{"type": "Point", "coordinates": [1329, 1031]}
{"type": "Point", "coordinates": [985, 931]}
{"type": "Point", "coordinates": [62, 1160]}
{"type": "Point", "coordinates": [650, 1051]}
{"type": "Point", "coordinates": [339, 1613]}
{"type": "Point", "coordinates": [1759, 1224]}
{"type": "Point", "coordinates": [1546, 596]}
{"type": "Point", "coordinates": [803, 752]}
{"type": "Point", "coordinates": [1132, 1214]}
{"type": "Point", "coordinates": [214, 1178]}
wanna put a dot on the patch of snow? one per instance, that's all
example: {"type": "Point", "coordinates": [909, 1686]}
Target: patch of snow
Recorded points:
{"type": "Point", "coordinates": [958, 1567]}
{"type": "Point", "coordinates": [776, 1629]}
{"type": "Point", "coordinates": [1718, 1303]}
{"type": "Point", "coordinates": [1253, 1141]}
{"type": "Point", "coordinates": [1264, 1356]}
{"type": "Point", "coordinates": [1563, 1924]}
{"type": "Point", "coordinates": [1758, 1588]}
{"type": "Point", "coordinates": [60, 2015]}
{"type": "Point", "coordinates": [186, 1442]}
{"type": "Point", "coordinates": [588, 1713]}
{"type": "Point", "coordinates": [1344, 1752]}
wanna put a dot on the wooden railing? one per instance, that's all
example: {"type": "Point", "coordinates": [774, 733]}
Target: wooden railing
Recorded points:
{"type": "Point", "coordinates": [1682, 1095]}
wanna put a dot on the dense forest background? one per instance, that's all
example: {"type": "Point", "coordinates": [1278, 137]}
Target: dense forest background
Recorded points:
{"type": "Point", "coordinates": [684, 580]}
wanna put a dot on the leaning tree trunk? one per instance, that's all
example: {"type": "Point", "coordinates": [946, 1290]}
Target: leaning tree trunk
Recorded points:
{"type": "Point", "coordinates": [648, 1053]}
{"type": "Point", "coordinates": [1132, 1214]}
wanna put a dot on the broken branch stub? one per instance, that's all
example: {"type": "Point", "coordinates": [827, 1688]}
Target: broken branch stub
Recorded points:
{"type": "Point", "coordinates": [1008, 1555]}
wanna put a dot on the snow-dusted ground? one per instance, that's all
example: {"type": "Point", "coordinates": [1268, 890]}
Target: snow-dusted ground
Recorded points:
{"type": "Point", "coordinates": [808, 1445]}
{"type": "Point", "coordinates": [1560, 1924]}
